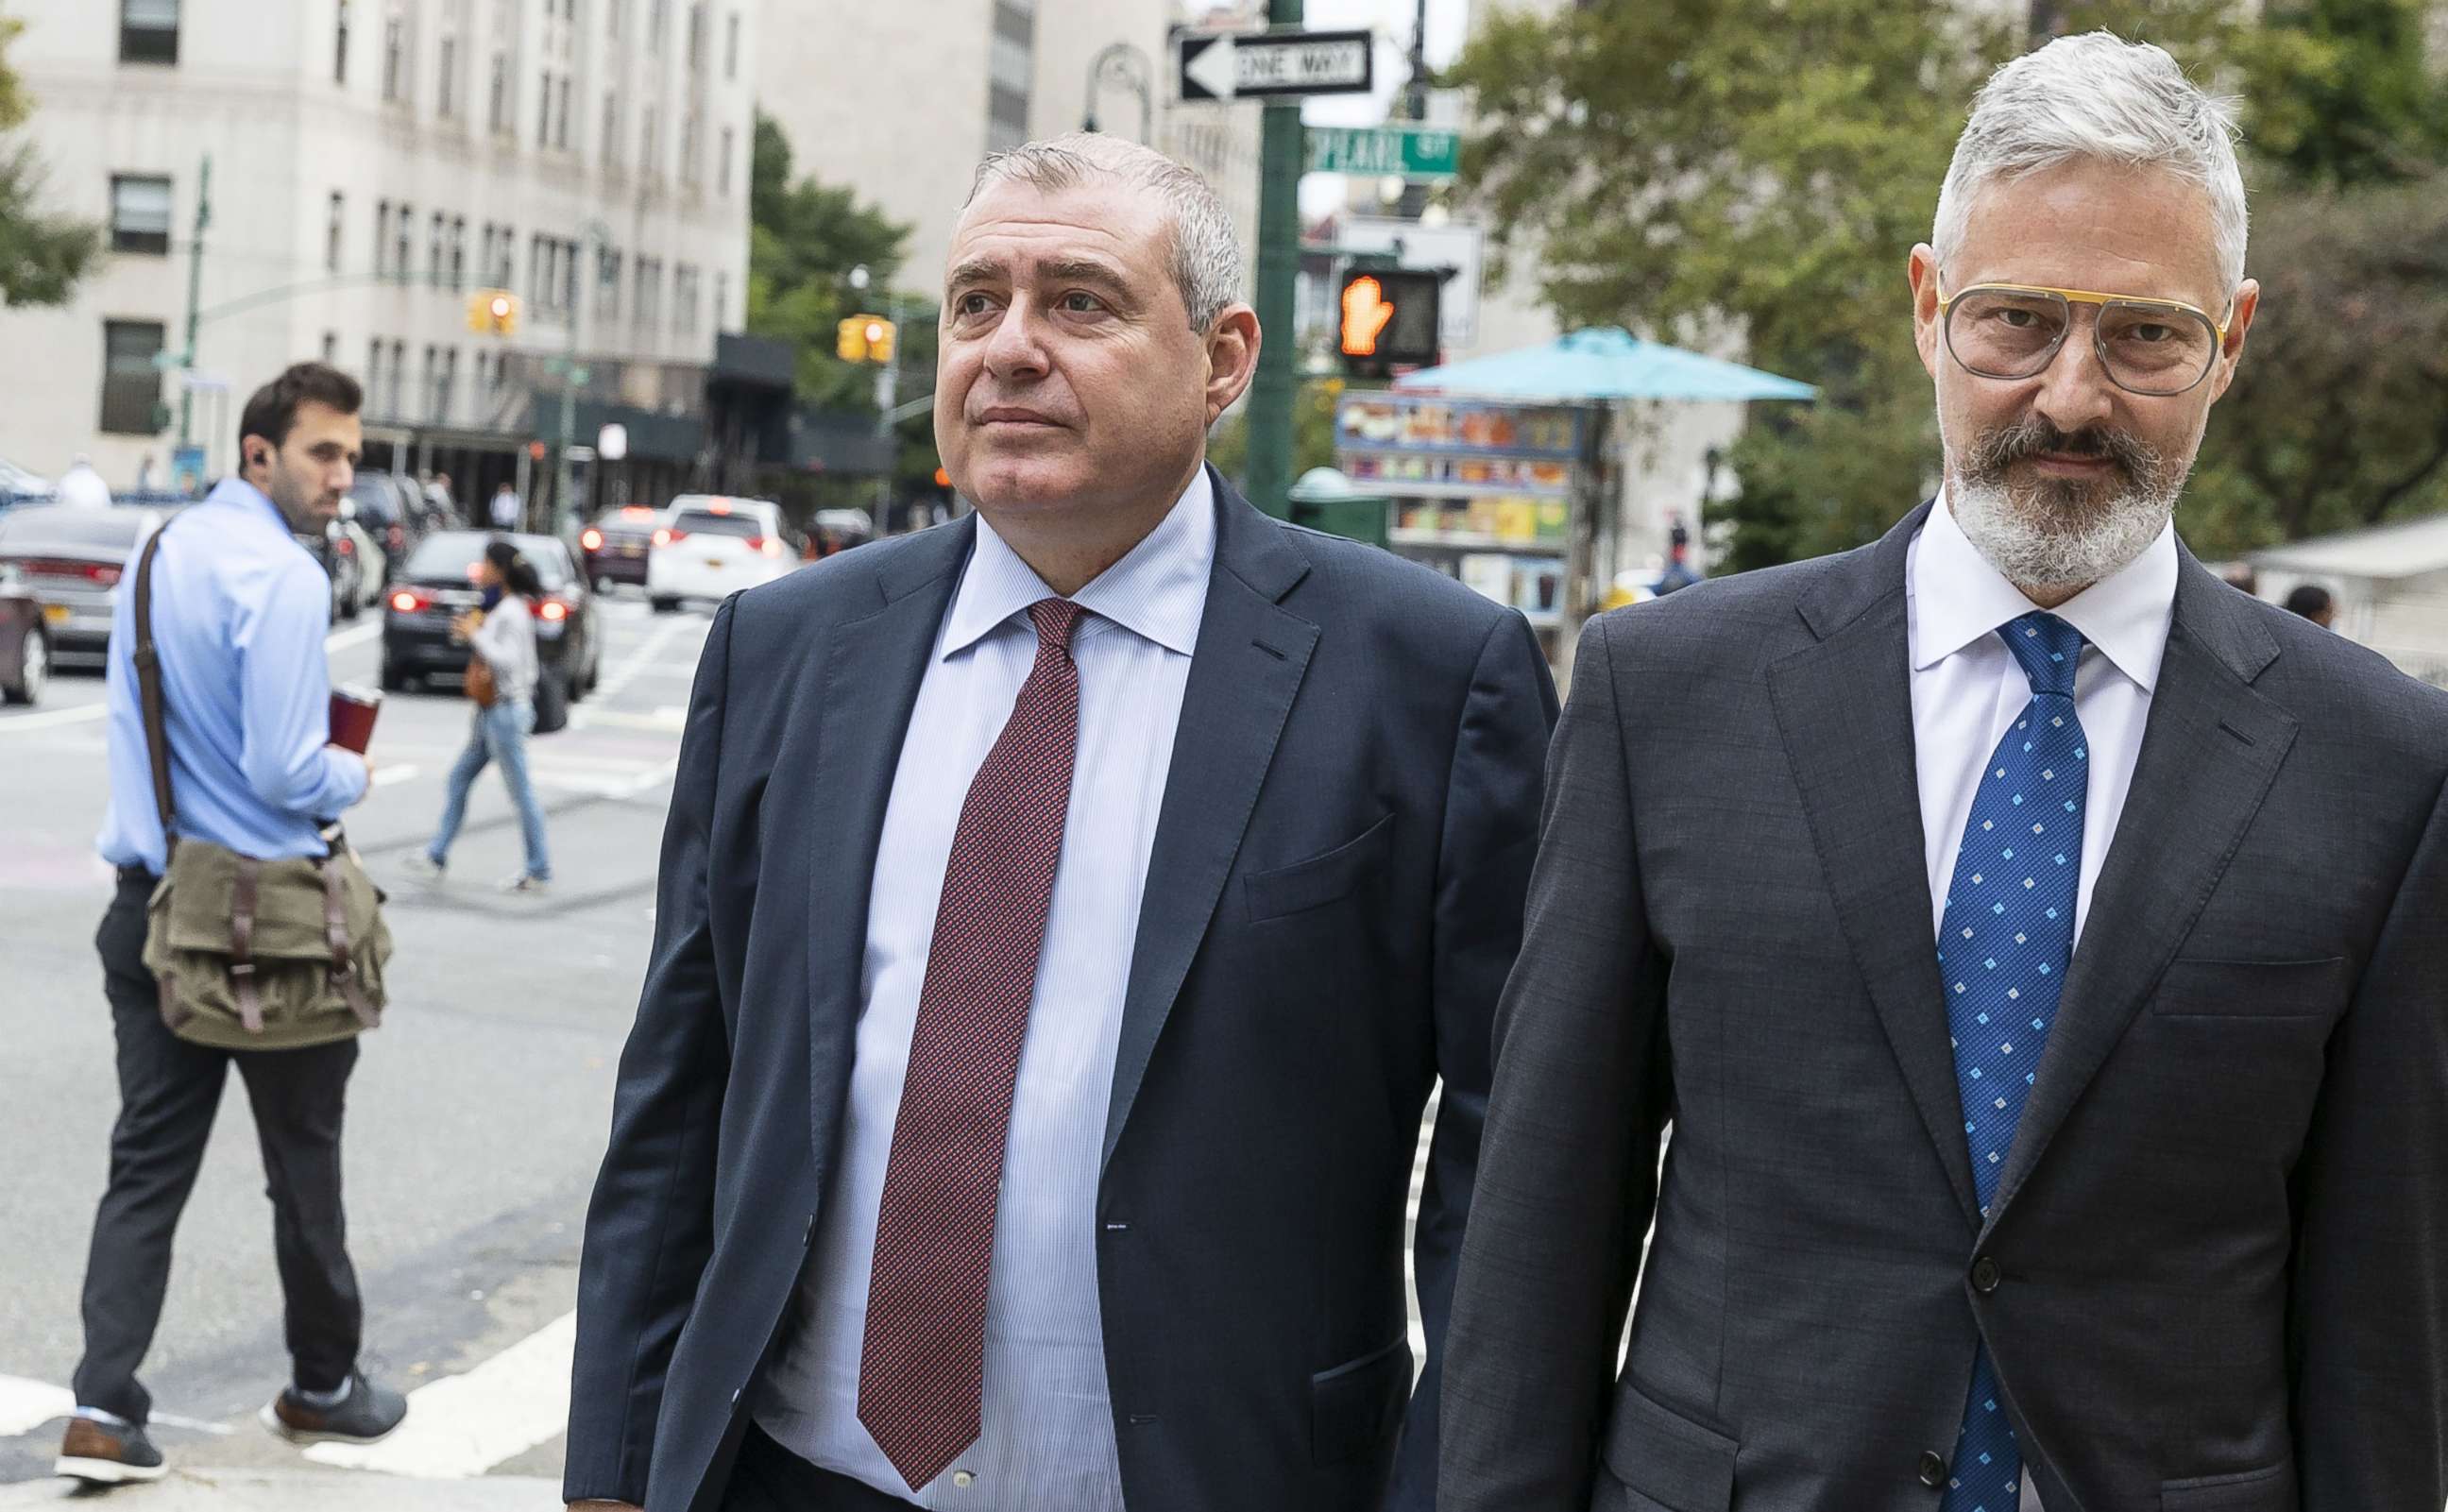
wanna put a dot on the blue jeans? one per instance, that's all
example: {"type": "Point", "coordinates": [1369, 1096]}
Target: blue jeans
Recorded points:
{"type": "Point", "coordinates": [499, 734]}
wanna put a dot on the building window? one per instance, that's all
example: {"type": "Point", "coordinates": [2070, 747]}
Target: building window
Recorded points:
{"type": "Point", "coordinates": [429, 386]}
{"type": "Point", "coordinates": [570, 254]}
{"type": "Point", "coordinates": [399, 377]}
{"type": "Point", "coordinates": [444, 391]}
{"type": "Point", "coordinates": [544, 110]}
{"type": "Point", "coordinates": [459, 252]}
{"type": "Point", "coordinates": [722, 169]}
{"type": "Point", "coordinates": [655, 25]}
{"type": "Point", "coordinates": [148, 33]}
{"type": "Point", "coordinates": [560, 116]}
{"type": "Point", "coordinates": [131, 386]}
{"type": "Point", "coordinates": [607, 285]}
{"type": "Point", "coordinates": [340, 47]}
{"type": "Point", "coordinates": [722, 300]}
{"type": "Point", "coordinates": [685, 282]}
{"type": "Point", "coordinates": [611, 137]}
{"type": "Point", "coordinates": [646, 163]}
{"type": "Point", "coordinates": [506, 253]}
{"type": "Point", "coordinates": [382, 238]}
{"type": "Point", "coordinates": [392, 61]}
{"type": "Point", "coordinates": [140, 214]}
{"type": "Point", "coordinates": [697, 37]}
{"type": "Point", "coordinates": [539, 284]}
{"type": "Point", "coordinates": [498, 117]}
{"type": "Point", "coordinates": [731, 46]}
{"type": "Point", "coordinates": [444, 105]}
{"type": "Point", "coordinates": [612, 10]}
{"type": "Point", "coordinates": [332, 234]}
{"type": "Point", "coordinates": [399, 246]}
{"type": "Point", "coordinates": [331, 348]}
{"type": "Point", "coordinates": [373, 375]}
{"type": "Point", "coordinates": [688, 147]}
{"type": "Point", "coordinates": [433, 248]}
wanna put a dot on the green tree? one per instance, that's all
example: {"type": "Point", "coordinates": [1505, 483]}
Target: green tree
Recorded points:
{"type": "Point", "coordinates": [1227, 446]}
{"type": "Point", "coordinates": [2338, 415]}
{"type": "Point", "coordinates": [42, 255]}
{"type": "Point", "coordinates": [2343, 92]}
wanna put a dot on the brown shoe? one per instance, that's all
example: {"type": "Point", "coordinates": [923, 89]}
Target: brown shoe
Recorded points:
{"type": "Point", "coordinates": [99, 1454]}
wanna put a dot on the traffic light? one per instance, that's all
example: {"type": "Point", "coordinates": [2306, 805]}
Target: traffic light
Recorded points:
{"type": "Point", "coordinates": [864, 338]}
{"type": "Point", "coordinates": [1389, 317]}
{"type": "Point", "coordinates": [493, 312]}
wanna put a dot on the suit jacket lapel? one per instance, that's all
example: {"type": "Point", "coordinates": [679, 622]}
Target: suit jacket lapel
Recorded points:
{"type": "Point", "coordinates": [2209, 750]}
{"type": "Point", "coordinates": [1247, 665]}
{"type": "Point", "coordinates": [1844, 706]}
{"type": "Point", "coordinates": [868, 683]}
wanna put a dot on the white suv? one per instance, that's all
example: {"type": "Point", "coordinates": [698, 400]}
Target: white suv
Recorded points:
{"type": "Point", "coordinates": [708, 547]}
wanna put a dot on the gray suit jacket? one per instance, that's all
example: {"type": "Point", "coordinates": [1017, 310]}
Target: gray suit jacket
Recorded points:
{"type": "Point", "coordinates": [2216, 1273]}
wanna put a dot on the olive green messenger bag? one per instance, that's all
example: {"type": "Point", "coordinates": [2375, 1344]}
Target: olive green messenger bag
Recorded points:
{"type": "Point", "coordinates": [252, 954]}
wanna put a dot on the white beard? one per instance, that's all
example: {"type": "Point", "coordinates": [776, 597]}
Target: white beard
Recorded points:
{"type": "Point", "coordinates": [2041, 551]}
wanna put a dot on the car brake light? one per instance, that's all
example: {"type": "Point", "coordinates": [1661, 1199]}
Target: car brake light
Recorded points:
{"type": "Point", "coordinates": [348, 548]}
{"type": "Point", "coordinates": [105, 576]}
{"type": "Point", "coordinates": [592, 539]}
{"type": "Point", "coordinates": [408, 601]}
{"type": "Point", "coordinates": [554, 610]}
{"type": "Point", "coordinates": [665, 538]}
{"type": "Point", "coordinates": [771, 547]}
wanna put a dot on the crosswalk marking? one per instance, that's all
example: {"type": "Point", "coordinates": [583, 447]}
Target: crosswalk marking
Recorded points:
{"type": "Point", "coordinates": [26, 1405]}
{"type": "Point", "coordinates": [462, 1425]}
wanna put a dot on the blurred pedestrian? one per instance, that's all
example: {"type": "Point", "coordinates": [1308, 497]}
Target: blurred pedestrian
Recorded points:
{"type": "Point", "coordinates": [506, 509]}
{"type": "Point", "coordinates": [237, 612]}
{"type": "Point", "coordinates": [82, 485]}
{"type": "Point", "coordinates": [2313, 602]}
{"type": "Point", "coordinates": [145, 474]}
{"type": "Point", "coordinates": [503, 673]}
{"type": "Point", "coordinates": [2035, 947]}
{"type": "Point", "coordinates": [1143, 863]}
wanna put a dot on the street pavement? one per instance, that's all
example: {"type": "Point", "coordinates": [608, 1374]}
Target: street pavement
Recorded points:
{"type": "Point", "coordinates": [477, 1114]}
{"type": "Point", "coordinates": [476, 1118]}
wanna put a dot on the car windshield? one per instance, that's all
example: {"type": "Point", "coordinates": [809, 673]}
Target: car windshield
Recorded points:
{"type": "Point", "coordinates": [450, 556]}
{"type": "Point", "coordinates": [705, 522]}
{"type": "Point", "coordinates": [73, 528]}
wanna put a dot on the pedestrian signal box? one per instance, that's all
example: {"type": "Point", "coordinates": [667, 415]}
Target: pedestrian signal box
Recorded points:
{"type": "Point", "coordinates": [493, 312]}
{"type": "Point", "coordinates": [865, 338]}
{"type": "Point", "coordinates": [1389, 317]}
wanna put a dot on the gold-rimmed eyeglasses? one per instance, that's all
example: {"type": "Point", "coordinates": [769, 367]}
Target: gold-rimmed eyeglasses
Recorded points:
{"type": "Point", "coordinates": [2152, 347]}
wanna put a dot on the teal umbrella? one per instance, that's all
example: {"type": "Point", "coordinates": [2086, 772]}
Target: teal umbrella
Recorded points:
{"type": "Point", "coordinates": [1604, 362]}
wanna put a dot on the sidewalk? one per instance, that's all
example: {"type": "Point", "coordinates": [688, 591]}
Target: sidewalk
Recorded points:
{"type": "Point", "coordinates": [203, 1490]}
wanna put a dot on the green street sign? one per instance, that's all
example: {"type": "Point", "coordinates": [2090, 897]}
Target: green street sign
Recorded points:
{"type": "Point", "coordinates": [1414, 152]}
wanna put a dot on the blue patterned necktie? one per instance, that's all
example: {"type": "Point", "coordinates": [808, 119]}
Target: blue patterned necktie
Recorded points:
{"type": "Point", "coordinates": [2003, 950]}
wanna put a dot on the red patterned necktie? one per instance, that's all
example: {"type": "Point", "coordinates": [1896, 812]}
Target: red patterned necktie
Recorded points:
{"type": "Point", "coordinates": [921, 1364]}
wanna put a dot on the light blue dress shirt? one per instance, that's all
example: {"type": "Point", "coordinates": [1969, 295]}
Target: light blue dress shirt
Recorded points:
{"type": "Point", "coordinates": [1046, 1441]}
{"type": "Point", "coordinates": [239, 612]}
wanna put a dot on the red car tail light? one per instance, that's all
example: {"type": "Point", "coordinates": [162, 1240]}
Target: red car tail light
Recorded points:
{"type": "Point", "coordinates": [765, 544]}
{"type": "Point", "coordinates": [592, 539]}
{"type": "Point", "coordinates": [665, 538]}
{"type": "Point", "coordinates": [553, 610]}
{"type": "Point", "coordinates": [409, 600]}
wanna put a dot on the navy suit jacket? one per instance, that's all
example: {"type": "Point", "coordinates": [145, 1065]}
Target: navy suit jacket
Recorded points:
{"type": "Point", "coordinates": [1332, 902]}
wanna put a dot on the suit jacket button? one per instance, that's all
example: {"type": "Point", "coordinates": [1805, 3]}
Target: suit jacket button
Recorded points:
{"type": "Point", "coordinates": [1933, 1469]}
{"type": "Point", "coordinates": [1985, 1275]}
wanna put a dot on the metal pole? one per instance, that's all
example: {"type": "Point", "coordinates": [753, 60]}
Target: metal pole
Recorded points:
{"type": "Point", "coordinates": [195, 293]}
{"type": "Point", "coordinates": [888, 392]}
{"type": "Point", "coordinates": [592, 238]}
{"type": "Point", "coordinates": [1272, 390]}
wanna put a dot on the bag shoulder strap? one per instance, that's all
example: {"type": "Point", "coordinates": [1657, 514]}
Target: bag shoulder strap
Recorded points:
{"type": "Point", "coordinates": [148, 689]}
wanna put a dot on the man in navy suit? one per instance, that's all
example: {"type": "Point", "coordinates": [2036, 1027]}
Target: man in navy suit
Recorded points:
{"type": "Point", "coordinates": [1064, 916]}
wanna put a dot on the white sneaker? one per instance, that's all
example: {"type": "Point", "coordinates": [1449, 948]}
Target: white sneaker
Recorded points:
{"type": "Point", "coordinates": [520, 882]}
{"type": "Point", "coordinates": [422, 866]}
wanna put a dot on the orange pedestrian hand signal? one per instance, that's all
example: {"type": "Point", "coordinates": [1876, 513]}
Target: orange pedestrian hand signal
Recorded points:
{"type": "Point", "coordinates": [1366, 309]}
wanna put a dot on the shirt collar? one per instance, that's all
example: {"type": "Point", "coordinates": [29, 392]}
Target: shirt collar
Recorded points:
{"type": "Point", "coordinates": [1157, 591]}
{"type": "Point", "coordinates": [241, 494]}
{"type": "Point", "coordinates": [1958, 598]}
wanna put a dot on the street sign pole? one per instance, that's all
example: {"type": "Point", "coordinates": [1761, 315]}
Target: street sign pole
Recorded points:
{"type": "Point", "coordinates": [1271, 392]}
{"type": "Point", "coordinates": [195, 289]}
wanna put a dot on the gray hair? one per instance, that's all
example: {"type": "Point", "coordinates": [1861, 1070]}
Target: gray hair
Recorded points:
{"type": "Point", "coordinates": [2101, 99]}
{"type": "Point", "coordinates": [1206, 252]}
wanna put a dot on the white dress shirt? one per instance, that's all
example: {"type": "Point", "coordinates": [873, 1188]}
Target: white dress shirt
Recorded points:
{"type": "Point", "coordinates": [1046, 1442]}
{"type": "Point", "coordinates": [1967, 688]}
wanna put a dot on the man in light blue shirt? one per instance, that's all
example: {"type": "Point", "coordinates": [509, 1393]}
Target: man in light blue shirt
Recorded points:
{"type": "Point", "coordinates": [240, 611]}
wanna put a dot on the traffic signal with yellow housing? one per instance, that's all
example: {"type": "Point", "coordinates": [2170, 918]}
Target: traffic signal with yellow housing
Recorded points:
{"type": "Point", "coordinates": [864, 338]}
{"type": "Point", "coordinates": [493, 312]}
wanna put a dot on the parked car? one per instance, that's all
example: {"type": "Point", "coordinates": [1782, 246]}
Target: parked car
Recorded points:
{"type": "Point", "coordinates": [393, 512]}
{"type": "Point", "coordinates": [437, 585]}
{"type": "Point", "coordinates": [709, 547]}
{"type": "Point", "coordinates": [616, 545]}
{"type": "Point", "coordinates": [25, 645]}
{"type": "Point", "coordinates": [68, 556]}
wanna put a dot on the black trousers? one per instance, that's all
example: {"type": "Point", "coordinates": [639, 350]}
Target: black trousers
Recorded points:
{"type": "Point", "coordinates": [168, 1092]}
{"type": "Point", "coordinates": [769, 1478]}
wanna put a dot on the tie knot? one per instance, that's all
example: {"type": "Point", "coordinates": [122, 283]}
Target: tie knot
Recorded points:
{"type": "Point", "coordinates": [2049, 650]}
{"type": "Point", "coordinates": [1055, 620]}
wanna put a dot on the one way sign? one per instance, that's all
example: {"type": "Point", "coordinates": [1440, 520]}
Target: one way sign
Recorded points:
{"type": "Point", "coordinates": [1258, 65]}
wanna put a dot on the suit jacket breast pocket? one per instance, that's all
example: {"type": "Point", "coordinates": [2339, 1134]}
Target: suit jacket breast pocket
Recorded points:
{"type": "Point", "coordinates": [1322, 878]}
{"type": "Point", "coordinates": [2251, 989]}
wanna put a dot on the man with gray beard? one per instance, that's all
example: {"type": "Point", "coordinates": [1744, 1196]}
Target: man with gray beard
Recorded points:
{"type": "Point", "coordinates": [2037, 950]}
